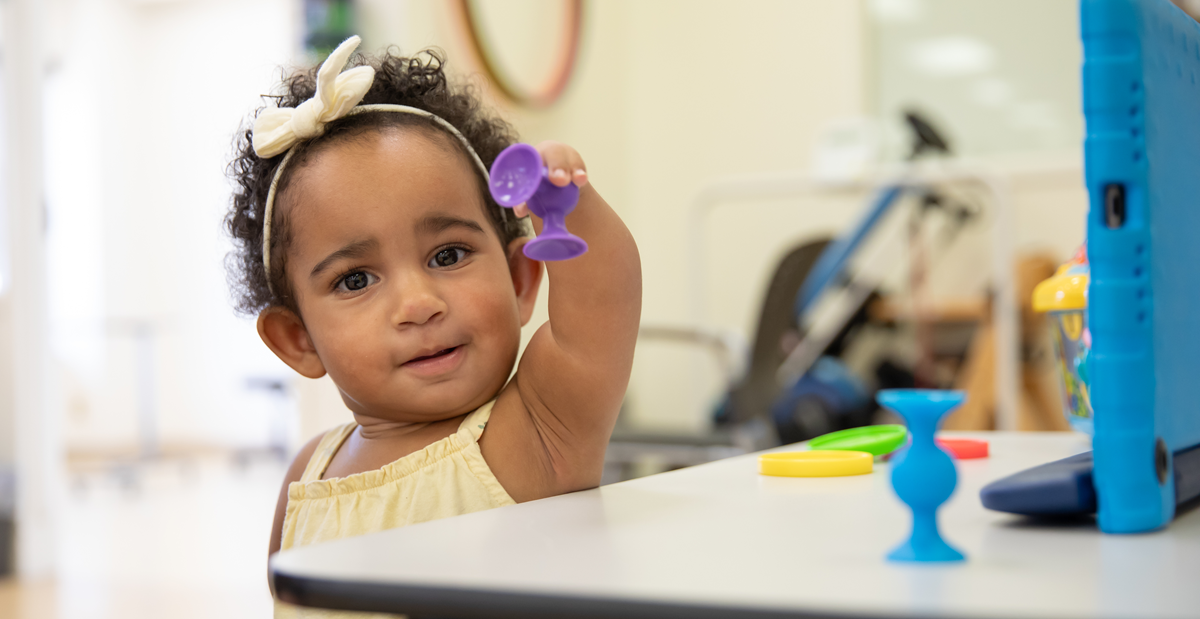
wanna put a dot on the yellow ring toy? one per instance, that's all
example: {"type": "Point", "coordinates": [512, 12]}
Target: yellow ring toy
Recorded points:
{"type": "Point", "coordinates": [816, 463]}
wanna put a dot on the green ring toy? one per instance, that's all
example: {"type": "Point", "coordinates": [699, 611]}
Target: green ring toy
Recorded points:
{"type": "Point", "coordinates": [876, 440]}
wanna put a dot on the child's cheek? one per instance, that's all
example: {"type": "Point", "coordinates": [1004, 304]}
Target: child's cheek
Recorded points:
{"type": "Point", "coordinates": [350, 353]}
{"type": "Point", "coordinates": [498, 306]}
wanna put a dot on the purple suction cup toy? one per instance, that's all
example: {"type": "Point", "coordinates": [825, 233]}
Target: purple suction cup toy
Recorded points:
{"type": "Point", "coordinates": [518, 176]}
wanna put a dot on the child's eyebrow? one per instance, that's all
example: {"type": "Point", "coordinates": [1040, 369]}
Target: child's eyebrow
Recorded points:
{"type": "Point", "coordinates": [353, 250]}
{"type": "Point", "coordinates": [434, 224]}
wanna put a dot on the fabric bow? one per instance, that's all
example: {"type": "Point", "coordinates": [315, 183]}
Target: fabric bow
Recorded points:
{"type": "Point", "coordinates": [277, 129]}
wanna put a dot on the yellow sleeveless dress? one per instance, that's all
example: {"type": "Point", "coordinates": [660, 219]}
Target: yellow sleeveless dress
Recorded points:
{"type": "Point", "coordinates": [447, 478]}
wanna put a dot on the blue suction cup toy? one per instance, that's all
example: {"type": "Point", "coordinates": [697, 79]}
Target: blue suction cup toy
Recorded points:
{"type": "Point", "coordinates": [519, 176]}
{"type": "Point", "coordinates": [923, 476]}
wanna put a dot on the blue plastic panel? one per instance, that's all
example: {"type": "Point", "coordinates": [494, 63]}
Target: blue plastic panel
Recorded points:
{"type": "Point", "coordinates": [1142, 105]}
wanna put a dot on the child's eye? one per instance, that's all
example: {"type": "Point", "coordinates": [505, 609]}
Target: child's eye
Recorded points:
{"type": "Point", "coordinates": [355, 281]}
{"type": "Point", "coordinates": [447, 257]}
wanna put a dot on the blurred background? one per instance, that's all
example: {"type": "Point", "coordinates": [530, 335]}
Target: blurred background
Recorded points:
{"type": "Point", "coordinates": [144, 428]}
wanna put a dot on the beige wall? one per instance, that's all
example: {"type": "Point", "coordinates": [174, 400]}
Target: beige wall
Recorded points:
{"type": "Point", "coordinates": [135, 195]}
{"type": "Point", "coordinates": [7, 422]}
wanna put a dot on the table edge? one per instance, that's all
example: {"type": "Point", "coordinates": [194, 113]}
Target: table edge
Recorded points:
{"type": "Point", "coordinates": [469, 603]}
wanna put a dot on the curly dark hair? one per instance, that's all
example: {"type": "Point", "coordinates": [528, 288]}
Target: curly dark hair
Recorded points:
{"type": "Point", "coordinates": [419, 81]}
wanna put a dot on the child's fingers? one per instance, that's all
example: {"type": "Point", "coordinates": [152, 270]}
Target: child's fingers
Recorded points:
{"type": "Point", "coordinates": [557, 157]}
{"type": "Point", "coordinates": [521, 210]}
{"type": "Point", "coordinates": [576, 168]}
{"type": "Point", "coordinates": [563, 163]}
{"type": "Point", "coordinates": [559, 176]}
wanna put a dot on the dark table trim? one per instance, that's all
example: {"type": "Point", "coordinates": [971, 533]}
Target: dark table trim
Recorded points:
{"type": "Point", "coordinates": [450, 602]}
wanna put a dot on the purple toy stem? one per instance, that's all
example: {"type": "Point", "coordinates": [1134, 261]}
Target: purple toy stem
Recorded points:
{"type": "Point", "coordinates": [518, 176]}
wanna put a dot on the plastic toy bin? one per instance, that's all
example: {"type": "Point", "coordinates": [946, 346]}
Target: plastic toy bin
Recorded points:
{"type": "Point", "coordinates": [1064, 298]}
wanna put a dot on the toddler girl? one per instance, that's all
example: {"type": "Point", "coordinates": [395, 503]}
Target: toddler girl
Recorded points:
{"type": "Point", "coordinates": [370, 249]}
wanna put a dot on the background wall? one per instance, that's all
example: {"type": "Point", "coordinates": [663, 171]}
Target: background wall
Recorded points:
{"type": "Point", "coordinates": [1002, 74]}
{"type": "Point", "coordinates": [143, 100]}
{"type": "Point", "coordinates": [7, 425]}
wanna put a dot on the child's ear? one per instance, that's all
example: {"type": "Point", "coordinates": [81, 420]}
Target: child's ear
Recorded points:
{"type": "Point", "coordinates": [284, 333]}
{"type": "Point", "coordinates": [526, 276]}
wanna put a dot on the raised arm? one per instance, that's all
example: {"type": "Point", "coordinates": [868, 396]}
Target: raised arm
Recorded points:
{"type": "Point", "coordinates": [573, 375]}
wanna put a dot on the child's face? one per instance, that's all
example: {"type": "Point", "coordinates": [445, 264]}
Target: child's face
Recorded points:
{"type": "Point", "coordinates": [403, 286]}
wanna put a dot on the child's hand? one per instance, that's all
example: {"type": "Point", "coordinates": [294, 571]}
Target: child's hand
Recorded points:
{"type": "Point", "coordinates": [564, 165]}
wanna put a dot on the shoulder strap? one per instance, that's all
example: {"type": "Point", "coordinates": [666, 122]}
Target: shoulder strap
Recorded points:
{"type": "Point", "coordinates": [325, 450]}
{"type": "Point", "coordinates": [475, 422]}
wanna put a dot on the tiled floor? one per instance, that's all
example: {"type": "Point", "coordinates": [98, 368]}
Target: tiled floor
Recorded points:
{"type": "Point", "coordinates": [177, 539]}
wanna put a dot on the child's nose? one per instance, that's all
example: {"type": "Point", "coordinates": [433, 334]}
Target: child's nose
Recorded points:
{"type": "Point", "coordinates": [417, 302]}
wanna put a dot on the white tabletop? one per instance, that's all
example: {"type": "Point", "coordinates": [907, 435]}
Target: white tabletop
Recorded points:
{"type": "Point", "coordinates": [719, 538]}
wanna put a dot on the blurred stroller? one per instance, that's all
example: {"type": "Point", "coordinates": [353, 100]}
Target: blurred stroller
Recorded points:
{"type": "Point", "coordinates": [820, 393]}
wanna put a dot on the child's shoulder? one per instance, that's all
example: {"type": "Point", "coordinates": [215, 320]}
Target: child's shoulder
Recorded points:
{"type": "Point", "coordinates": [294, 473]}
{"type": "Point", "coordinates": [300, 462]}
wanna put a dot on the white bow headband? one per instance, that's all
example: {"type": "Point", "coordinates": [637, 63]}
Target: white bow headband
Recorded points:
{"type": "Point", "coordinates": [278, 129]}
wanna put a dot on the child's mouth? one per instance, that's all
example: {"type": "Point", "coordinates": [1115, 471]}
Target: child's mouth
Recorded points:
{"type": "Point", "coordinates": [440, 353]}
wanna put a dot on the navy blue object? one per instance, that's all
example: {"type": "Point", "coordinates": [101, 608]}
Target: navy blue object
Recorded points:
{"type": "Point", "coordinates": [1066, 487]}
{"type": "Point", "coordinates": [1140, 94]}
{"type": "Point", "coordinates": [1187, 475]}
{"type": "Point", "coordinates": [836, 257]}
{"type": "Point", "coordinates": [923, 475]}
{"type": "Point", "coordinates": [1061, 488]}
{"type": "Point", "coordinates": [829, 382]}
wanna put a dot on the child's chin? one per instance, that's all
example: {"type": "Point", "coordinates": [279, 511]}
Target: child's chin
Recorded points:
{"type": "Point", "coordinates": [437, 402]}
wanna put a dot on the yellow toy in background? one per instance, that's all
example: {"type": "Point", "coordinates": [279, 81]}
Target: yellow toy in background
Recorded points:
{"type": "Point", "coordinates": [1064, 297]}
